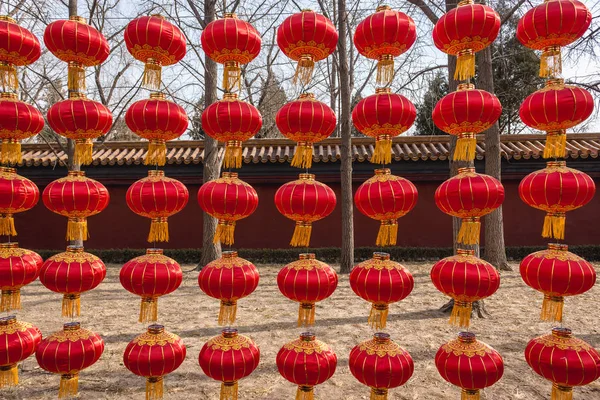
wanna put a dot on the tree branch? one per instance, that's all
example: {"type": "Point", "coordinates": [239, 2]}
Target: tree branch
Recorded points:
{"type": "Point", "coordinates": [426, 10]}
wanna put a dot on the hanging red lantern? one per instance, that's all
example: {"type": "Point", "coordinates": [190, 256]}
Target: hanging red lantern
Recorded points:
{"type": "Point", "coordinates": [469, 364]}
{"type": "Point", "coordinates": [67, 353]}
{"type": "Point", "coordinates": [78, 44]}
{"type": "Point", "coordinates": [465, 30]}
{"type": "Point", "coordinates": [307, 281]}
{"type": "Point", "coordinates": [550, 26]}
{"type": "Point", "coordinates": [381, 281]}
{"type": "Point", "coordinates": [306, 362]}
{"type": "Point", "coordinates": [231, 121]}
{"type": "Point", "coordinates": [151, 276]}
{"type": "Point", "coordinates": [157, 197]}
{"type": "Point", "coordinates": [386, 197]}
{"type": "Point", "coordinates": [154, 354]}
{"type": "Point", "coordinates": [228, 279]}
{"type": "Point", "coordinates": [305, 121]}
{"type": "Point", "coordinates": [557, 273]}
{"type": "Point", "coordinates": [71, 273]}
{"type": "Point", "coordinates": [307, 37]}
{"type": "Point", "coordinates": [76, 197]}
{"type": "Point", "coordinates": [18, 121]}
{"type": "Point", "coordinates": [17, 194]}
{"type": "Point", "coordinates": [554, 109]}
{"type": "Point", "coordinates": [466, 279]}
{"type": "Point", "coordinates": [18, 48]}
{"type": "Point", "coordinates": [381, 364]}
{"type": "Point", "coordinates": [556, 189]}
{"type": "Point", "coordinates": [469, 196]}
{"type": "Point", "coordinates": [382, 116]}
{"type": "Point", "coordinates": [382, 36]}
{"type": "Point", "coordinates": [465, 113]}
{"type": "Point", "coordinates": [18, 267]}
{"type": "Point", "coordinates": [157, 43]}
{"type": "Point", "coordinates": [82, 120]}
{"type": "Point", "coordinates": [157, 120]}
{"type": "Point", "coordinates": [228, 358]}
{"type": "Point", "coordinates": [18, 340]}
{"type": "Point", "coordinates": [305, 201]}
{"type": "Point", "coordinates": [231, 42]}
{"type": "Point", "coordinates": [564, 360]}
{"type": "Point", "coordinates": [228, 199]}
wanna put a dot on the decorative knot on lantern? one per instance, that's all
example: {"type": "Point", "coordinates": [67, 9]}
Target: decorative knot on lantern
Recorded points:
{"type": "Point", "coordinates": [18, 267]}
{"type": "Point", "coordinates": [18, 48]}
{"type": "Point", "coordinates": [18, 121]}
{"type": "Point", "coordinates": [18, 340]}
{"type": "Point", "coordinates": [17, 194]}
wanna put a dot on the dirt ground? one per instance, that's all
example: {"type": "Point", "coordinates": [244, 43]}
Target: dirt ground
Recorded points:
{"type": "Point", "coordinates": [270, 319]}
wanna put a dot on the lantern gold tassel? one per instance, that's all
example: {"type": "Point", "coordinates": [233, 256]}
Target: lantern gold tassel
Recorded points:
{"type": "Point", "coordinates": [554, 226]}
{"type": "Point", "coordinates": [8, 76]}
{"type": "Point", "coordinates": [383, 150]}
{"type": "Point", "coordinates": [149, 309]}
{"type": "Point", "coordinates": [466, 146]}
{"type": "Point", "coordinates": [232, 76]}
{"type": "Point", "coordinates": [305, 393]}
{"type": "Point", "coordinates": [551, 62]}
{"type": "Point", "coordinates": [157, 153]}
{"type": "Point", "coordinates": [561, 392]}
{"type": "Point", "coordinates": [77, 229]}
{"type": "Point", "coordinates": [302, 232]}
{"type": "Point", "coordinates": [9, 375]}
{"type": "Point", "coordinates": [303, 155]}
{"type": "Point", "coordinates": [154, 388]}
{"type": "Point", "coordinates": [152, 74]}
{"type": "Point", "coordinates": [304, 70]}
{"type": "Point", "coordinates": [465, 65]}
{"type": "Point", "coordinates": [461, 314]}
{"type": "Point", "coordinates": [76, 76]}
{"type": "Point", "coordinates": [233, 154]}
{"type": "Point", "coordinates": [11, 152]}
{"type": "Point", "coordinates": [225, 232]}
{"type": "Point", "coordinates": [469, 231]}
{"type": "Point", "coordinates": [385, 69]}
{"type": "Point", "coordinates": [552, 308]}
{"type": "Point", "coordinates": [556, 144]}
{"type": "Point", "coordinates": [71, 305]}
{"type": "Point", "coordinates": [227, 312]}
{"type": "Point", "coordinates": [468, 394]}
{"type": "Point", "coordinates": [229, 391]}
{"type": "Point", "coordinates": [378, 316]}
{"type": "Point", "coordinates": [69, 385]}
{"type": "Point", "coordinates": [379, 394]}
{"type": "Point", "coordinates": [159, 230]}
{"type": "Point", "coordinates": [7, 225]}
{"type": "Point", "coordinates": [306, 314]}
{"type": "Point", "coordinates": [83, 152]}
{"type": "Point", "coordinates": [11, 300]}
{"type": "Point", "coordinates": [388, 233]}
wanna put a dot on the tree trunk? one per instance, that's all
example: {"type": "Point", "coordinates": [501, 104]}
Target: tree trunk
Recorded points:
{"type": "Point", "coordinates": [347, 257]}
{"type": "Point", "coordinates": [212, 165]}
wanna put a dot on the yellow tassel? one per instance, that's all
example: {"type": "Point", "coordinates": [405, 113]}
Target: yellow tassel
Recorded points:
{"type": "Point", "coordinates": [303, 155]}
{"type": "Point", "coordinates": [465, 65]}
{"type": "Point", "coordinates": [7, 225]}
{"type": "Point", "coordinates": [149, 309]}
{"type": "Point", "coordinates": [229, 391]}
{"type": "Point", "coordinates": [552, 308]}
{"type": "Point", "coordinates": [232, 76]}
{"type": "Point", "coordinates": [9, 375]}
{"type": "Point", "coordinates": [468, 394]}
{"type": "Point", "coordinates": [385, 70]}
{"type": "Point", "coordinates": [306, 314]}
{"type": "Point", "coordinates": [302, 232]}
{"type": "Point", "coordinates": [469, 231]}
{"type": "Point", "coordinates": [551, 62]}
{"type": "Point", "coordinates": [554, 226]}
{"type": "Point", "coordinates": [461, 314]}
{"type": "Point", "coordinates": [83, 152]}
{"type": "Point", "coordinates": [152, 75]}
{"type": "Point", "coordinates": [561, 392]}
{"type": "Point", "coordinates": [77, 229]}
{"type": "Point", "coordinates": [69, 386]}
{"type": "Point", "coordinates": [159, 230]}
{"type": "Point", "coordinates": [466, 146]}
{"type": "Point", "coordinates": [11, 152]}
{"type": "Point", "coordinates": [388, 233]}
{"type": "Point", "coordinates": [71, 305]}
{"type": "Point", "coordinates": [154, 388]}
{"type": "Point", "coordinates": [157, 153]}
{"type": "Point", "coordinates": [8, 76]}
{"type": "Point", "coordinates": [556, 144]}
{"type": "Point", "coordinates": [304, 70]}
{"type": "Point", "coordinates": [305, 393]}
{"type": "Point", "coordinates": [76, 77]}
{"type": "Point", "coordinates": [225, 232]}
{"type": "Point", "coordinates": [233, 154]}
{"type": "Point", "coordinates": [227, 312]}
{"type": "Point", "coordinates": [11, 300]}
{"type": "Point", "coordinates": [378, 316]}
{"type": "Point", "coordinates": [383, 150]}
{"type": "Point", "coordinates": [379, 394]}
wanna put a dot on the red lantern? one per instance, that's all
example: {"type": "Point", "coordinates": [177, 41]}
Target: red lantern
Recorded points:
{"type": "Point", "coordinates": [71, 273]}
{"type": "Point", "coordinates": [306, 37]}
{"type": "Point", "coordinates": [151, 276]}
{"type": "Point", "coordinates": [18, 47]}
{"type": "Point", "coordinates": [228, 199]}
{"type": "Point", "coordinates": [18, 340]}
{"type": "Point", "coordinates": [306, 362]}
{"type": "Point", "coordinates": [304, 201]}
{"type": "Point", "coordinates": [554, 109]}
{"type": "Point", "coordinates": [157, 120]}
{"type": "Point", "coordinates": [231, 42]}
{"type": "Point", "coordinates": [78, 44]}
{"type": "Point", "coordinates": [76, 197]}
{"type": "Point", "coordinates": [157, 43]}
{"type": "Point", "coordinates": [157, 197]}
{"type": "Point", "coordinates": [17, 194]}
{"type": "Point", "coordinates": [68, 352]}
{"type": "Point", "coordinates": [383, 116]}
{"type": "Point", "coordinates": [305, 121]}
{"type": "Point", "coordinates": [231, 121]}
{"type": "Point", "coordinates": [465, 113]}
{"type": "Point", "coordinates": [469, 196]}
{"type": "Point", "coordinates": [382, 36]}
{"type": "Point", "coordinates": [386, 197]}
{"type": "Point", "coordinates": [469, 364]}
{"type": "Point", "coordinates": [228, 279]}
{"type": "Point", "coordinates": [228, 358]}
{"type": "Point", "coordinates": [466, 279]}
{"type": "Point", "coordinates": [465, 30]}
{"type": "Point", "coordinates": [381, 282]}
{"type": "Point", "coordinates": [550, 26]}
{"type": "Point", "coordinates": [556, 189]}
{"type": "Point", "coordinates": [307, 281]}
{"type": "Point", "coordinates": [557, 273]}
{"type": "Point", "coordinates": [380, 364]}
{"type": "Point", "coordinates": [564, 360]}
{"type": "Point", "coordinates": [82, 120]}
{"type": "Point", "coordinates": [153, 355]}
{"type": "Point", "coordinates": [18, 267]}
{"type": "Point", "coordinates": [18, 121]}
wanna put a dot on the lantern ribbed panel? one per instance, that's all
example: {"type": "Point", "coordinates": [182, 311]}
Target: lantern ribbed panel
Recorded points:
{"type": "Point", "coordinates": [17, 194]}
{"type": "Point", "coordinates": [18, 121]}
{"type": "Point", "coordinates": [18, 267]}
{"type": "Point", "coordinates": [18, 341]}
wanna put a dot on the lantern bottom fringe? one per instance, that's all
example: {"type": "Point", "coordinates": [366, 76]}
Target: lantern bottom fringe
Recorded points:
{"type": "Point", "coordinates": [224, 233]}
{"type": "Point", "coordinates": [468, 394]}
{"type": "Point", "coordinates": [159, 230]}
{"type": "Point", "coordinates": [554, 226]}
{"type": "Point", "coordinates": [556, 145]}
{"type": "Point", "coordinates": [465, 148]}
{"type": "Point", "coordinates": [303, 156]}
{"type": "Point", "coordinates": [11, 152]}
{"type": "Point", "coordinates": [385, 71]}
{"type": "Point", "coordinates": [11, 300]}
{"type": "Point", "coordinates": [8, 76]}
{"type": "Point", "coordinates": [9, 375]}
{"type": "Point", "coordinates": [552, 308]}
{"type": "Point", "coordinates": [465, 66]}
{"type": "Point", "coordinates": [149, 310]}
{"type": "Point", "coordinates": [154, 388]}
{"type": "Point", "coordinates": [461, 314]}
{"type": "Point", "coordinates": [469, 231]}
{"type": "Point", "coordinates": [551, 62]}
{"type": "Point", "coordinates": [561, 392]}
{"type": "Point", "coordinates": [383, 152]}
{"type": "Point", "coordinates": [305, 393]}
{"type": "Point", "coordinates": [227, 312]}
{"type": "Point", "coordinates": [306, 314]}
{"type": "Point", "coordinates": [69, 386]}
{"type": "Point", "coordinates": [7, 225]}
{"type": "Point", "coordinates": [152, 76]}
{"type": "Point", "coordinates": [233, 156]}
{"type": "Point", "coordinates": [388, 234]}
{"type": "Point", "coordinates": [83, 152]}
{"type": "Point", "coordinates": [301, 237]}
{"type": "Point", "coordinates": [378, 316]}
{"type": "Point", "coordinates": [71, 305]}
{"type": "Point", "coordinates": [229, 391]}
{"type": "Point", "coordinates": [378, 394]}
{"type": "Point", "coordinates": [232, 77]}
{"type": "Point", "coordinates": [304, 70]}
{"type": "Point", "coordinates": [77, 229]}
{"type": "Point", "coordinates": [76, 77]}
{"type": "Point", "coordinates": [157, 153]}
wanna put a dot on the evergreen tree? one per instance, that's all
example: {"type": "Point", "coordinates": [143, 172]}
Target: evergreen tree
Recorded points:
{"type": "Point", "coordinates": [437, 88]}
